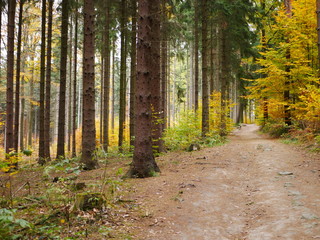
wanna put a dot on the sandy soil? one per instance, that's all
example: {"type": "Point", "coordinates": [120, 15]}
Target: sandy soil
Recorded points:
{"type": "Point", "coordinates": [252, 188]}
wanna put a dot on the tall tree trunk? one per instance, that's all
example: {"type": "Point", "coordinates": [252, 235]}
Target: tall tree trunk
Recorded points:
{"type": "Point", "coordinates": [224, 83]}
{"type": "Point", "coordinates": [88, 127]}
{"type": "Point", "coordinates": [41, 159]}
{"type": "Point", "coordinates": [155, 77]}
{"type": "Point", "coordinates": [63, 80]}
{"type": "Point", "coordinates": [122, 110]}
{"type": "Point", "coordinates": [70, 91]}
{"type": "Point", "coordinates": [205, 89]}
{"type": "Point", "coordinates": [286, 93]}
{"type": "Point", "coordinates": [18, 74]}
{"type": "Point", "coordinates": [10, 70]}
{"type": "Point", "coordinates": [22, 118]}
{"type": "Point", "coordinates": [163, 58]}
{"type": "Point", "coordinates": [31, 104]}
{"type": "Point", "coordinates": [48, 85]}
{"type": "Point", "coordinates": [75, 56]}
{"type": "Point", "coordinates": [106, 79]}
{"type": "Point", "coordinates": [196, 56]}
{"type": "Point", "coordinates": [144, 164]}
{"type": "Point", "coordinates": [133, 68]}
{"type": "Point", "coordinates": [113, 83]}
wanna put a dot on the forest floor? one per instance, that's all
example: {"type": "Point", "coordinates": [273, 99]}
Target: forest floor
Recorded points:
{"type": "Point", "coordinates": [251, 188]}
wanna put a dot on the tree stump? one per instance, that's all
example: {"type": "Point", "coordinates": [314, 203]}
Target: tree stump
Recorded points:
{"type": "Point", "coordinates": [88, 201]}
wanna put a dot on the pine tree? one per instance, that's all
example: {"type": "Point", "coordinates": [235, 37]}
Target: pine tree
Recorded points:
{"type": "Point", "coordinates": [144, 164]}
{"type": "Point", "coordinates": [88, 127]}
{"type": "Point", "coordinates": [63, 80]}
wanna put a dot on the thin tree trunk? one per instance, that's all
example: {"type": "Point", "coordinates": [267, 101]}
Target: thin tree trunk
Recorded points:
{"type": "Point", "coordinates": [133, 68]}
{"type": "Point", "coordinates": [32, 111]}
{"type": "Point", "coordinates": [10, 70]}
{"type": "Point", "coordinates": [101, 93]}
{"type": "Point", "coordinates": [286, 93]}
{"type": "Point", "coordinates": [106, 79]}
{"type": "Point", "coordinates": [196, 56]}
{"type": "Point", "coordinates": [205, 89]}
{"type": "Point", "coordinates": [22, 117]}
{"type": "Point", "coordinates": [18, 74]}
{"type": "Point", "coordinates": [164, 57]}
{"type": "Point", "coordinates": [224, 87]}
{"type": "Point", "coordinates": [74, 112]}
{"type": "Point", "coordinates": [144, 164]}
{"type": "Point", "coordinates": [63, 80]}
{"type": "Point", "coordinates": [48, 85]}
{"type": "Point", "coordinates": [88, 127]}
{"type": "Point", "coordinates": [113, 84]}
{"type": "Point", "coordinates": [41, 159]}
{"type": "Point", "coordinates": [70, 91]}
{"type": "Point", "coordinates": [122, 110]}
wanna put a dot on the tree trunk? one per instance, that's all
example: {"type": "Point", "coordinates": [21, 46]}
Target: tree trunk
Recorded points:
{"type": "Point", "coordinates": [41, 159]}
{"type": "Point", "coordinates": [122, 110]}
{"type": "Point", "coordinates": [155, 78]}
{"type": "Point", "coordinates": [163, 58]}
{"type": "Point", "coordinates": [18, 74]}
{"type": "Point", "coordinates": [22, 117]}
{"type": "Point", "coordinates": [224, 84]}
{"type": "Point", "coordinates": [286, 93]}
{"type": "Point", "coordinates": [144, 164]}
{"type": "Point", "coordinates": [63, 80]}
{"type": "Point", "coordinates": [48, 85]}
{"type": "Point", "coordinates": [106, 78]}
{"type": "Point", "coordinates": [31, 104]}
{"type": "Point", "coordinates": [133, 68]}
{"type": "Point", "coordinates": [75, 56]}
{"type": "Point", "coordinates": [113, 83]}
{"type": "Point", "coordinates": [205, 89]}
{"type": "Point", "coordinates": [10, 70]}
{"type": "Point", "coordinates": [70, 91]}
{"type": "Point", "coordinates": [88, 127]}
{"type": "Point", "coordinates": [196, 56]}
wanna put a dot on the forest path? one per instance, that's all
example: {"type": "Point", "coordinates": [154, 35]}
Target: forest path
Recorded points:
{"type": "Point", "coordinates": [250, 188]}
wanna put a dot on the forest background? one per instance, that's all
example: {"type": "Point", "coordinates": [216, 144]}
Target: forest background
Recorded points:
{"type": "Point", "coordinates": [229, 62]}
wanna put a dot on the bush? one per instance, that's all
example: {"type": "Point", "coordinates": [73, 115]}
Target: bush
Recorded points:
{"type": "Point", "coordinates": [276, 129]}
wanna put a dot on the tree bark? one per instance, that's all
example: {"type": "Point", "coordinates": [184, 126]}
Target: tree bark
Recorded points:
{"type": "Point", "coordinates": [155, 77]}
{"type": "Point", "coordinates": [106, 78]}
{"type": "Point", "coordinates": [205, 87]}
{"type": "Point", "coordinates": [122, 110]}
{"type": "Point", "coordinates": [133, 68]}
{"type": "Point", "coordinates": [196, 56]}
{"type": "Point", "coordinates": [63, 80]}
{"type": "Point", "coordinates": [88, 127]}
{"type": "Point", "coordinates": [48, 85]}
{"type": "Point", "coordinates": [10, 70]}
{"type": "Point", "coordinates": [164, 60]}
{"type": "Point", "coordinates": [18, 74]}
{"type": "Point", "coordinates": [286, 93]}
{"type": "Point", "coordinates": [144, 164]}
{"type": "Point", "coordinates": [41, 159]}
{"type": "Point", "coordinates": [75, 61]}
{"type": "Point", "coordinates": [113, 83]}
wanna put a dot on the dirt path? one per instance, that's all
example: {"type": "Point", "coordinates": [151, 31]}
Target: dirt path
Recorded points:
{"type": "Point", "coordinates": [251, 188]}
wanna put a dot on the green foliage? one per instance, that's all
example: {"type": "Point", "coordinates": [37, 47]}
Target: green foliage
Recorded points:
{"type": "Point", "coordinates": [188, 131]}
{"type": "Point", "coordinates": [9, 224]}
{"type": "Point", "coordinates": [275, 129]}
{"type": "Point", "coordinates": [185, 132]}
